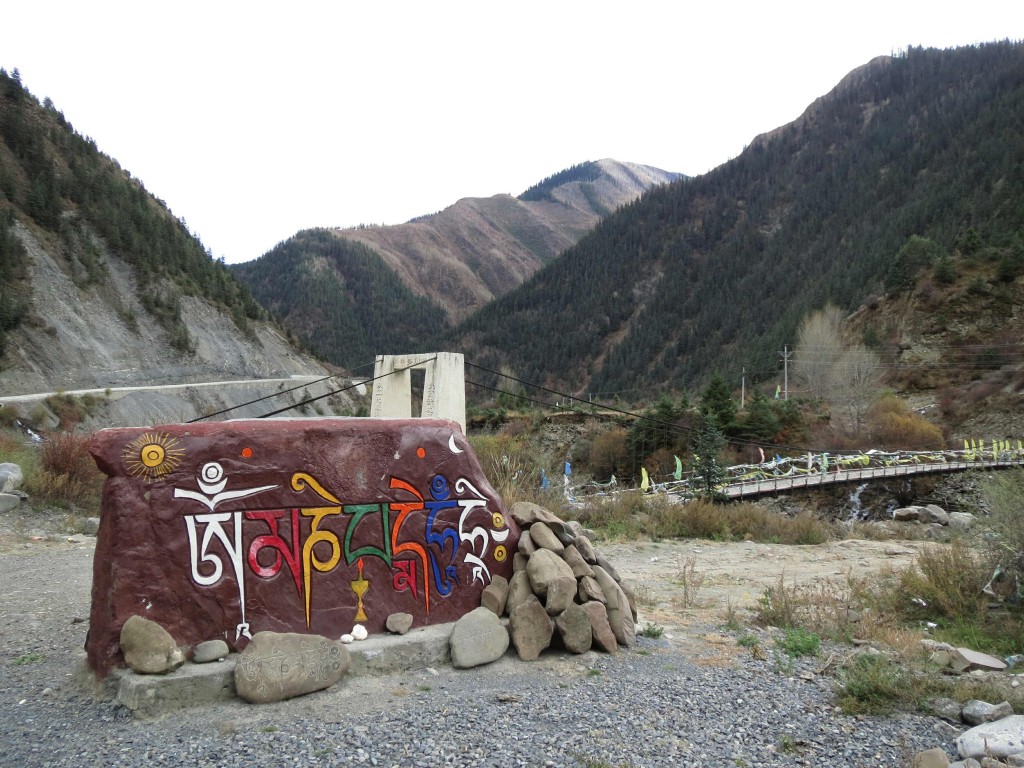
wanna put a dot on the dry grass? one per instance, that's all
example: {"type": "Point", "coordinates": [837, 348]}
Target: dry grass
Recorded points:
{"type": "Point", "coordinates": [635, 515]}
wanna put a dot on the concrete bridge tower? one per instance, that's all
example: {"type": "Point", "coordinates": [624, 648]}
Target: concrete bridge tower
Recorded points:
{"type": "Point", "coordinates": [444, 388]}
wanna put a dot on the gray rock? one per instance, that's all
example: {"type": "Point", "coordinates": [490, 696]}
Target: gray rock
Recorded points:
{"type": "Point", "coordinates": [519, 591]}
{"type": "Point", "coordinates": [932, 513]}
{"type": "Point", "coordinates": [620, 617]}
{"type": "Point", "coordinates": [478, 638]}
{"type": "Point", "coordinates": [564, 533]}
{"type": "Point", "coordinates": [519, 561]}
{"type": "Point", "coordinates": [628, 591]}
{"type": "Point", "coordinates": [531, 629]}
{"type": "Point", "coordinates": [543, 568]}
{"type": "Point", "coordinates": [907, 514]}
{"type": "Point", "coordinates": [526, 545]}
{"type": "Point", "coordinates": [586, 549]}
{"type": "Point", "coordinates": [577, 529]}
{"type": "Point", "coordinates": [494, 595]}
{"type": "Point", "coordinates": [960, 521]}
{"type": "Point", "coordinates": [931, 758]}
{"type": "Point", "coordinates": [947, 709]}
{"type": "Point", "coordinates": [1001, 738]}
{"type": "Point", "coordinates": [211, 650]}
{"type": "Point", "coordinates": [527, 513]}
{"type": "Point", "coordinates": [560, 595]}
{"type": "Point", "coordinates": [399, 623]}
{"type": "Point", "coordinates": [91, 526]}
{"type": "Point", "coordinates": [1015, 761]}
{"type": "Point", "coordinates": [573, 626]}
{"type": "Point", "coordinates": [588, 589]}
{"type": "Point", "coordinates": [964, 659]}
{"type": "Point", "coordinates": [575, 560]}
{"type": "Point", "coordinates": [608, 568]}
{"type": "Point", "coordinates": [11, 477]}
{"type": "Point", "coordinates": [148, 648]}
{"type": "Point", "coordinates": [280, 665]}
{"type": "Point", "coordinates": [545, 538]}
{"type": "Point", "coordinates": [9, 501]}
{"type": "Point", "coordinates": [968, 763]}
{"type": "Point", "coordinates": [976, 712]}
{"type": "Point", "coordinates": [600, 628]}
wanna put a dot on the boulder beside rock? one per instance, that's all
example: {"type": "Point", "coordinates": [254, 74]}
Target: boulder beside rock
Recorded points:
{"type": "Point", "coordinates": [148, 648]}
{"type": "Point", "coordinates": [1001, 738]}
{"type": "Point", "coordinates": [906, 514]}
{"type": "Point", "coordinates": [933, 513]}
{"type": "Point", "coordinates": [9, 501]}
{"type": "Point", "coordinates": [519, 591]}
{"type": "Point", "coordinates": [494, 595]}
{"type": "Point", "coordinates": [976, 712]}
{"type": "Point", "coordinates": [478, 638]}
{"type": "Point", "coordinates": [544, 567]}
{"type": "Point", "coordinates": [573, 626]}
{"type": "Point", "coordinates": [561, 594]}
{"type": "Point", "coordinates": [531, 629]}
{"type": "Point", "coordinates": [600, 628]}
{"type": "Point", "coordinates": [280, 665]}
{"type": "Point", "coordinates": [545, 538]}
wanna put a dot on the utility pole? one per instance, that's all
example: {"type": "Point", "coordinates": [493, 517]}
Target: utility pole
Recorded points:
{"type": "Point", "coordinates": [785, 368]}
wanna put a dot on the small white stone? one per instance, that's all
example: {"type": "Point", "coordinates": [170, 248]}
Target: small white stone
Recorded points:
{"type": "Point", "coordinates": [346, 639]}
{"type": "Point", "coordinates": [359, 632]}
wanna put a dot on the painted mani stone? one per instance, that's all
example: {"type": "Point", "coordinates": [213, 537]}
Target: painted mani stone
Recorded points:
{"type": "Point", "coordinates": [222, 530]}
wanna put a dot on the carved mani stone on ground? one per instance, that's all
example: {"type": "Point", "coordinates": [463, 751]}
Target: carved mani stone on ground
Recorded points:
{"type": "Point", "coordinates": [226, 529]}
{"type": "Point", "coordinates": [277, 666]}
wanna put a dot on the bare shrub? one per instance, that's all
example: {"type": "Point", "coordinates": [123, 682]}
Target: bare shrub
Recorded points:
{"type": "Point", "coordinates": [66, 471]}
{"type": "Point", "coordinates": [944, 582]}
{"type": "Point", "coordinates": [608, 454]}
{"type": "Point", "coordinates": [691, 580]}
{"type": "Point", "coordinates": [894, 426]}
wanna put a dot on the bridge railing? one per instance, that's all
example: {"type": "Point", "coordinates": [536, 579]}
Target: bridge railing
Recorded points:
{"type": "Point", "coordinates": [776, 484]}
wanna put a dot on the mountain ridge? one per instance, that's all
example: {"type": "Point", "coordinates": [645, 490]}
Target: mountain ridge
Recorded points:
{"type": "Point", "coordinates": [456, 261]}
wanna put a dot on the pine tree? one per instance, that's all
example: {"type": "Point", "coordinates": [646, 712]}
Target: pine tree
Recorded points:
{"type": "Point", "coordinates": [706, 461]}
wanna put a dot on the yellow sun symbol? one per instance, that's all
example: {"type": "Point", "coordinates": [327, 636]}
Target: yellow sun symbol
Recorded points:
{"type": "Point", "coordinates": [152, 455]}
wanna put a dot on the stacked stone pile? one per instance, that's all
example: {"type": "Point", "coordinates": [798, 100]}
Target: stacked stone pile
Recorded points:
{"type": "Point", "coordinates": [561, 591]}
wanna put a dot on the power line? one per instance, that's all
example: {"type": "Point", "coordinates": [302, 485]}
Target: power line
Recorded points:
{"type": "Point", "coordinates": [309, 400]}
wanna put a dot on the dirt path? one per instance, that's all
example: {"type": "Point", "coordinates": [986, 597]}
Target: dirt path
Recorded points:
{"type": "Point", "coordinates": [687, 582]}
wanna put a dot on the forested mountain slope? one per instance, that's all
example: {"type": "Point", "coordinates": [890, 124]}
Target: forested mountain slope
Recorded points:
{"type": "Point", "coordinates": [353, 293]}
{"type": "Point", "coordinates": [715, 272]}
{"type": "Point", "coordinates": [100, 285]}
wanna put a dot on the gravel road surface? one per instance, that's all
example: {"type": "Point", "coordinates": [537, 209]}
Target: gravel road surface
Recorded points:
{"type": "Point", "coordinates": [698, 700]}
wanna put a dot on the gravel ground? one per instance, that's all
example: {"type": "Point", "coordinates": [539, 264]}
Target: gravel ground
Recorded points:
{"type": "Point", "coordinates": [664, 704]}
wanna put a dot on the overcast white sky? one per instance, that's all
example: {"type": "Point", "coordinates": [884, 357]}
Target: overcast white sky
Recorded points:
{"type": "Point", "coordinates": [255, 120]}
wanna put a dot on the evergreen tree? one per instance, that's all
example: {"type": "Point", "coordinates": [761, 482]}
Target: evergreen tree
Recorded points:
{"type": "Point", "coordinates": [706, 460]}
{"type": "Point", "coordinates": [717, 403]}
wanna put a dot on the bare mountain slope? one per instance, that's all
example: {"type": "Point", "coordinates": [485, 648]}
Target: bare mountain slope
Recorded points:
{"type": "Point", "coordinates": [102, 336]}
{"type": "Point", "coordinates": [480, 248]}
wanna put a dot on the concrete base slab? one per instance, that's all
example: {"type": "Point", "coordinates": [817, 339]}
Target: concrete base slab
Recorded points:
{"type": "Point", "coordinates": [193, 685]}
